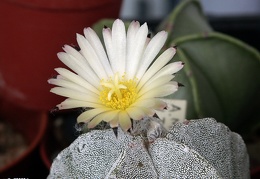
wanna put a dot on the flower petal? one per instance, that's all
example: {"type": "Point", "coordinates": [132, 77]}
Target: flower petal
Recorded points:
{"type": "Point", "coordinates": [144, 102]}
{"type": "Point", "coordinates": [156, 83]}
{"type": "Point", "coordinates": [75, 94]}
{"type": "Point", "coordinates": [159, 105]}
{"type": "Point", "coordinates": [134, 56]}
{"type": "Point", "coordinates": [95, 121]}
{"type": "Point", "coordinates": [72, 103]}
{"type": "Point", "coordinates": [151, 51]}
{"type": "Point", "coordinates": [76, 79]}
{"type": "Point", "coordinates": [124, 120]}
{"type": "Point", "coordinates": [81, 67]}
{"type": "Point", "coordinates": [107, 36]}
{"type": "Point", "coordinates": [135, 113]}
{"type": "Point", "coordinates": [119, 46]}
{"type": "Point", "coordinates": [95, 42]}
{"type": "Point", "coordinates": [161, 91]}
{"type": "Point", "coordinates": [73, 52]}
{"type": "Point", "coordinates": [90, 114]}
{"type": "Point", "coordinates": [152, 103]}
{"type": "Point", "coordinates": [161, 61]}
{"type": "Point", "coordinates": [70, 62]}
{"type": "Point", "coordinates": [130, 39]}
{"type": "Point", "coordinates": [171, 68]}
{"type": "Point", "coordinates": [89, 53]}
{"type": "Point", "coordinates": [110, 115]}
{"type": "Point", "coordinates": [148, 111]}
{"type": "Point", "coordinates": [66, 84]}
{"type": "Point", "coordinates": [114, 122]}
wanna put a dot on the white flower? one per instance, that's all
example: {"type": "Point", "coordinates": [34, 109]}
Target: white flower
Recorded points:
{"type": "Point", "coordinates": [118, 83]}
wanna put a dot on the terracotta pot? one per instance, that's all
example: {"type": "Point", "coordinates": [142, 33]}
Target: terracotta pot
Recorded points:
{"type": "Point", "coordinates": [46, 151]}
{"type": "Point", "coordinates": [31, 125]}
{"type": "Point", "coordinates": [31, 34]}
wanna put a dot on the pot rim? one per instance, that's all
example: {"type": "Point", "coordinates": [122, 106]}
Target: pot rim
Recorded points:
{"type": "Point", "coordinates": [43, 125]}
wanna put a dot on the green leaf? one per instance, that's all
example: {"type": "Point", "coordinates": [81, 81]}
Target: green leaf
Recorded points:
{"type": "Point", "coordinates": [223, 75]}
{"type": "Point", "coordinates": [187, 18]}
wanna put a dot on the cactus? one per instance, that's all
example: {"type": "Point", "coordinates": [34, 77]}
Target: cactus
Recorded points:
{"type": "Point", "coordinates": [142, 147]}
{"type": "Point", "coordinates": [195, 149]}
{"type": "Point", "coordinates": [216, 143]}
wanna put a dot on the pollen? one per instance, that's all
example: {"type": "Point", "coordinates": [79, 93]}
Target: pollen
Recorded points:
{"type": "Point", "coordinates": [118, 93]}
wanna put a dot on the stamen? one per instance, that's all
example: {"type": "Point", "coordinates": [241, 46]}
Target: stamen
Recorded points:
{"type": "Point", "coordinates": [118, 93]}
{"type": "Point", "coordinates": [110, 94]}
{"type": "Point", "coordinates": [115, 87]}
{"type": "Point", "coordinates": [108, 85]}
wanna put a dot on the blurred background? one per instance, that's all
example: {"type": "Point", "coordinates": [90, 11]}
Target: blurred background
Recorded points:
{"type": "Point", "coordinates": [32, 32]}
{"type": "Point", "coordinates": [238, 18]}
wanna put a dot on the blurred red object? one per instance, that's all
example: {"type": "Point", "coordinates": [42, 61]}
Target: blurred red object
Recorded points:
{"type": "Point", "coordinates": [31, 125]}
{"type": "Point", "coordinates": [31, 33]}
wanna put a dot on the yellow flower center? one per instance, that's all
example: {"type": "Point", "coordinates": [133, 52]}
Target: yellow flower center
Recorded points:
{"type": "Point", "coordinates": [118, 93]}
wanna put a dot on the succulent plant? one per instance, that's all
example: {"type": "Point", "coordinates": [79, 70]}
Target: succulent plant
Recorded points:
{"type": "Point", "coordinates": [123, 85]}
{"type": "Point", "coordinates": [195, 149]}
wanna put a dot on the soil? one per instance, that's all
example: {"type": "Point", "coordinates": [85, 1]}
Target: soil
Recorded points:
{"type": "Point", "coordinates": [12, 144]}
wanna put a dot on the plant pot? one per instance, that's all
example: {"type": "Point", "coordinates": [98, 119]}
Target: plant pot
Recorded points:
{"type": "Point", "coordinates": [31, 125]}
{"type": "Point", "coordinates": [31, 34]}
{"type": "Point", "coordinates": [46, 150]}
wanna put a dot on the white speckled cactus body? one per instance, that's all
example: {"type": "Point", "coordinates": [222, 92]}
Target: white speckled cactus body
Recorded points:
{"type": "Point", "coordinates": [197, 149]}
